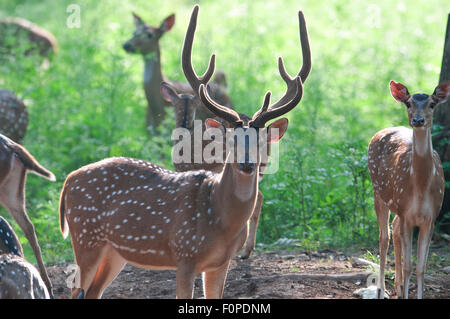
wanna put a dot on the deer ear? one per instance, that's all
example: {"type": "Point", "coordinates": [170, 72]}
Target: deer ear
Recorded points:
{"type": "Point", "coordinates": [212, 123]}
{"type": "Point", "coordinates": [276, 130]}
{"type": "Point", "coordinates": [213, 127]}
{"type": "Point", "coordinates": [399, 91]}
{"type": "Point", "coordinates": [441, 92]}
{"type": "Point", "coordinates": [137, 20]}
{"type": "Point", "coordinates": [168, 23]}
{"type": "Point", "coordinates": [168, 92]}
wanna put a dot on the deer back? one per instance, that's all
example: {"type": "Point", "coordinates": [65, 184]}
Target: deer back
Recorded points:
{"type": "Point", "coordinates": [151, 215]}
{"type": "Point", "coordinates": [13, 116]}
{"type": "Point", "coordinates": [15, 30]}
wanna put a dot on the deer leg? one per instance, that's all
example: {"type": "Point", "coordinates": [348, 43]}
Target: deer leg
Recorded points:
{"type": "Point", "coordinates": [155, 116]}
{"type": "Point", "coordinates": [425, 234]}
{"type": "Point", "coordinates": [12, 196]}
{"type": "Point", "coordinates": [251, 240]}
{"type": "Point", "coordinates": [108, 269]}
{"type": "Point", "coordinates": [29, 231]}
{"type": "Point", "coordinates": [383, 224]}
{"type": "Point", "coordinates": [88, 262]}
{"type": "Point", "coordinates": [185, 281]}
{"type": "Point", "coordinates": [397, 241]}
{"type": "Point", "coordinates": [406, 235]}
{"type": "Point", "coordinates": [214, 281]}
{"type": "Point", "coordinates": [151, 121]}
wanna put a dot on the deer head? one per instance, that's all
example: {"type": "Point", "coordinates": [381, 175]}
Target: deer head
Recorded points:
{"type": "Point", "coordinates": [185, 105]}
{"type": "Point", "coordinates": [145, 38]}
{"type": "Point", "coordinates": [420, 106]}
{"type": "Point", "coordinates": [241, 123]}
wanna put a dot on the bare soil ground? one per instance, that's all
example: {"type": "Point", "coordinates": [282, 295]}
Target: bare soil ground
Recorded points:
{"type": "Point", "coordinates": [278, 274]}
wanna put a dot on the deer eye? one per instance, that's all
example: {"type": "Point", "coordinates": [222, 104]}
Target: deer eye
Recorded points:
{"type": "Point", "coordinates": [149, 35]}
{"type": "Point", "coordinates": [408, 105]}
{"type": "Point", "coordinates": [432, 105]}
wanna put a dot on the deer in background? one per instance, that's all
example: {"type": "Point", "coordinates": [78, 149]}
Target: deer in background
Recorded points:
{"type": "Point", "coordinates": [12, 30]}
{"type": "Point", "coordinates": [20, 34]}
{"type": "Point", "coordinates": [13, 116]}
{"type": "Point", "coordinates": [123, 210]}
{"type": "Point", "coordinates": [15, 162]}
{"type": "Point", "coordinates": [18, 278]}
{"type": "Point", "coordinates": [145, 41]}
{"type": "Point", "coordinates": [185, 106]}
{"type": "Point", "coordinates": [408, 180]}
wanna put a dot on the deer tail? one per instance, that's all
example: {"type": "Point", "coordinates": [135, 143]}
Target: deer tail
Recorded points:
{"type": "Point", "coordinates": [62, 213]}
{"type": "Point", "coordinates": [30, 162]}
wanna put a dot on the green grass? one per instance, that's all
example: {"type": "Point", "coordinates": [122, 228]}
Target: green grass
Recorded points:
{"type": "Point", "coordinates": [90, 103]}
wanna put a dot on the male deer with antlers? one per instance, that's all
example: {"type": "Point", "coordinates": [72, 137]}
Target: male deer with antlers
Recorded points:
{"type": "Point", "coordinates": [408, 180]}
{"type": "Point", "coordinates": [15, 162]}
{"type": "Point", "coordinates": [186, 105]}
{"type": "Point", "coordinates": [145, 41]}
{"type": "Point", "coordinates": [123, 210]}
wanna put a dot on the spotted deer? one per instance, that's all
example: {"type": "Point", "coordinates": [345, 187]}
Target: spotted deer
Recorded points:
{"type": "Point", "coordinates": [185, 106]}
{"type": "Point", "coordinates": [145, 41]}
{"type": "Point", "coordinates": [22, 37]}
{"type": "Point", "coordinates": [18, 278]}
{"type": "Point", "coordinates": [124, 210]}
{"type": "Point", "coordinates": [14, 30]}
{"type": "Point", "coordinates": [15, 162]}
{"type": "Point", "coordinates": [13, 116]}
{"type": "Point", "coordinates": [408, 180]}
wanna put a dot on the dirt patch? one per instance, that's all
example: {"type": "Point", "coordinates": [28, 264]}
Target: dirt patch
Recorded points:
{"type": "Point", "coordinates": [282, 274]}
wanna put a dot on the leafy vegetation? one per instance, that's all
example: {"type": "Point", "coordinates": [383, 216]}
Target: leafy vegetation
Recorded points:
{"type": "Point", "coordinates": [90, 103]}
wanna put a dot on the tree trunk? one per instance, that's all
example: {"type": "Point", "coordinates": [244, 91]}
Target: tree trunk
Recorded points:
{"type": "Point", "coordinates": [441, 140]}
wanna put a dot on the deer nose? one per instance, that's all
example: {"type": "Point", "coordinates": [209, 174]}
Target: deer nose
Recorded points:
{"type": "Point", "coordinates": [417, 122]}
{"type": "Point", "coordinates": [127, 46]}
{"type": "Point", "coordinates": [247, 167]}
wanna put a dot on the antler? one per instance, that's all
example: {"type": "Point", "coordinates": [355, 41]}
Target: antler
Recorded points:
{"type": "Point", "coordinates": [266, 114]}
{"type": "Point", "coordinates": [186, 57]}
{"type": "Point", "coordinates": [261, 117]}
{"type": "Point", "coordinates": [290, 99]}
{"type": "Point", "coordinates": [304, 71]}
{"type": "Point", "coordinates": [221, 111]}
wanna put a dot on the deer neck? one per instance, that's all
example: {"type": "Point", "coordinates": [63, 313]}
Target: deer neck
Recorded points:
{"type": "Point", "coordinates": [235, 197]}
{"type": "Point", "coordinates": [152, 75]}
{"type": "Point", "coordinates": [422, 158]}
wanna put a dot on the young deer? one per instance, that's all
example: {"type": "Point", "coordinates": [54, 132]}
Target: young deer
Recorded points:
{"type": "Point", "coordinates": [185, 106]}
{"type": "Point", "coordinates": [18, 278]}
{"type": "Point", "coordinates": [15, 162]}
{"type": "Point", "coordinates": [408, 180]}
{"type": "Point", "coordinates": [145, 41]}
{"type": "Point", "coordinates": [13, 116]}
{"type": "Point", "coordinates": [123, 210]}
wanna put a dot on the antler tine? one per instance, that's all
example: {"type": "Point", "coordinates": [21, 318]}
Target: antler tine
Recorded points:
{"type": "Point", "coordinates": [264, 107]}
{"type": "Point", "coordinates": [264, 115]}
{"type": "Point", "coordinates": [304, 71]}
{"type": "Point", "coordinates": [186, 56]}
{"type": "Point", "coordinates": [306, 50]}
{"type": "Point", "coordinates": [221, 111]}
